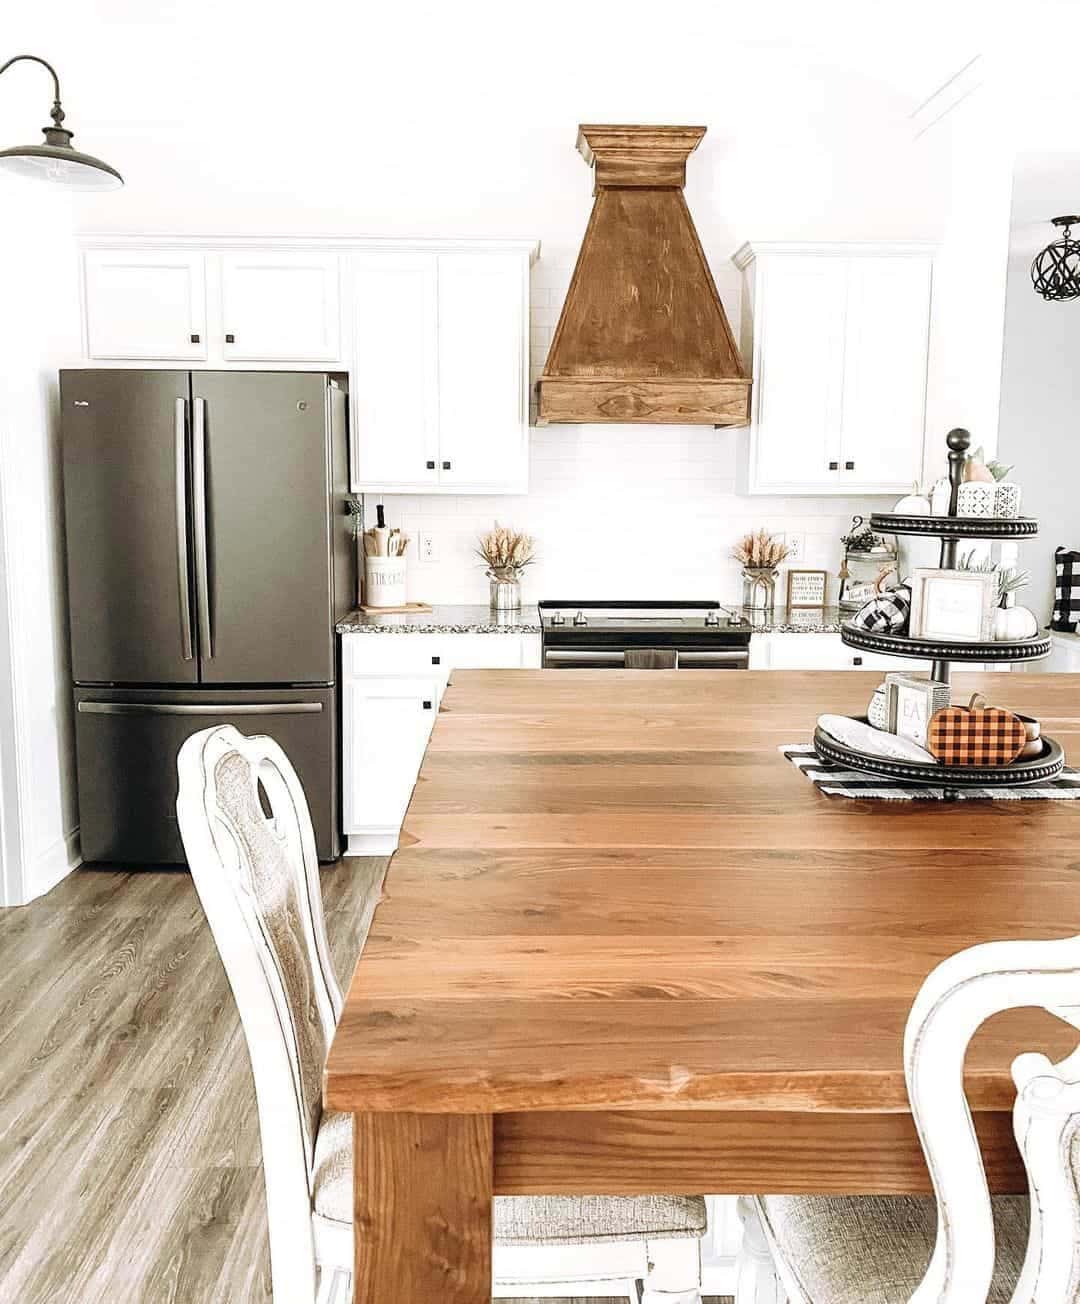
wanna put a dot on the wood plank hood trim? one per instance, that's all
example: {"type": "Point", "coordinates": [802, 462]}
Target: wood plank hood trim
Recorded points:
{"type": "Point", "coordinates": [642, 336]}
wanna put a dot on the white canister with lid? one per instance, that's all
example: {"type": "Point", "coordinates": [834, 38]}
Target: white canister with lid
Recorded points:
{"type": "Point", "coordinates": [384, 581]}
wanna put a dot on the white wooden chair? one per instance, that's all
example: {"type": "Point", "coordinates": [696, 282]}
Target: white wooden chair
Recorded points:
{"type": "Point", "coordinates": [249, 842]}
{"type": "Point", "coordinates": [890, 1250]}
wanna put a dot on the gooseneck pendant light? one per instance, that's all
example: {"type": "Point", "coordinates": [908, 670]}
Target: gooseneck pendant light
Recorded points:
{"type": "Point", "coordinates": [56, 161]}
{"type": "Point", "coordinates": [1055, 273]}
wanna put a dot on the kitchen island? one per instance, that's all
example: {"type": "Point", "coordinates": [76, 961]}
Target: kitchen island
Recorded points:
{"type": "Point", "coordinates": [626, 947]}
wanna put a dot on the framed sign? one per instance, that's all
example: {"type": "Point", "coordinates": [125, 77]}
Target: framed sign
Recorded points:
{"type": "Point", "coordinates": [806, 588]}
{"type": "Point", "coordinates": [954, 606]}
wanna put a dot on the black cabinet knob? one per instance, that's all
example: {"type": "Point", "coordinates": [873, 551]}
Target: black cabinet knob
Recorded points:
{"type": "Point", "coordinates": [856, 661]}
{"type": "Point", "coordinates": [849, 466]}
{"type": "Point", "coordinates": [446, 466]}
{"type": "Point", "coordinates": [230, 339]}
{"type": "Point", "coordinates": [436, 661]}
{"type": "Point", "coordinates": [431, 466]}
{"type": "Point", "coordinates": [195, 339]}
{"type": "Point", "coordinates": [834, 466]}
{"type": "Point", "coordinates": [427, 705]}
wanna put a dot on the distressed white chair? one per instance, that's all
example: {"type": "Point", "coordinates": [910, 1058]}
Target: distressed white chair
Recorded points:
{"type": "Point", "coordinates": [257, 876]}
{"type": "Point", "coordinates": [890, 1250]}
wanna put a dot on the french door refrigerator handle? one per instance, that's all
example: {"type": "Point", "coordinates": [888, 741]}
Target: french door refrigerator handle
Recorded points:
{"type": "Point", "coordinates": [199, 708]}
{"type": "Point", "coordinates": [202, 573]}
{"type": "Point", "coordinates": [183, 561]}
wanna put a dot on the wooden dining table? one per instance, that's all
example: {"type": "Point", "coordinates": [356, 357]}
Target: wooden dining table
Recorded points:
{"type": "Point", "coordinates": [625, 947]}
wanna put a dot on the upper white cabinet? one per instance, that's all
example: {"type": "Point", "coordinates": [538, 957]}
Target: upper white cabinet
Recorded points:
{"type": "Point", "coordinates": [440, 372]}
{"type": "Point", "coordinates": [839, 337]}
{"type": "Point", "coordinates": [145, 304]}
{"type": "Point", "coordinates": [280, 307]}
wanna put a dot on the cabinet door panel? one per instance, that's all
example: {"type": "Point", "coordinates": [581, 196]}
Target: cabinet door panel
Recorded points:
{"type": "Point", "coordinates": [395, 378]}
{"type": "Point", "coordinates": [145, 304]}
{"type": "Point", "coordinates": [483, 407]}
{"type": "Point", "coordinates": [887, 337]}
{"type": "Point", "coordinates": [280, 307]}
{"type": "Point", "coordinates": [800, 325]}
{"type": "Point", "coordinates": [387, 726]}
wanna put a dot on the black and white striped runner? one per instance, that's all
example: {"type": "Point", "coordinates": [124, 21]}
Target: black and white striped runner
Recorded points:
{"type": "Point", "coordinates": [836, 781]}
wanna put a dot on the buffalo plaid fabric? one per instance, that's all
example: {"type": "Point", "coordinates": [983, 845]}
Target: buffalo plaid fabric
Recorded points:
{"type": "Point", "coordinates": [887, 614]}
{"type": "Point", "coordinates": [990, 736]}
{"type": "Point", "coordinates": [1067, 592]}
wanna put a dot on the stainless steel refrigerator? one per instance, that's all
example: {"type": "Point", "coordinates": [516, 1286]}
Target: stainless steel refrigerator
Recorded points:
{"type": "Point", "coordinates": [209, 557]}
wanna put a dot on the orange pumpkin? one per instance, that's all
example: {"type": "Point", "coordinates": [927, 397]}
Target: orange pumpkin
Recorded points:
{"type": "Point", "coordinates": [976, 735]}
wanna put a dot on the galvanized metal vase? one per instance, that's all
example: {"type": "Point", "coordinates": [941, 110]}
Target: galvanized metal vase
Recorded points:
{"type": "Point", "coordinates": [505, 592]}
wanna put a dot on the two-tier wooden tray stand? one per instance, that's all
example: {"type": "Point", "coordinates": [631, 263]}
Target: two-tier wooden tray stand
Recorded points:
{"type": "Point", "coordinates": [950, 530]}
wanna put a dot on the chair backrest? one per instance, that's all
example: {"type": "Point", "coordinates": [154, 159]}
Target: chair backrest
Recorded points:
{"type": "Point", "coordinates": [955, 1000]}
{"type": "Point", "coordinates": [257, 875]}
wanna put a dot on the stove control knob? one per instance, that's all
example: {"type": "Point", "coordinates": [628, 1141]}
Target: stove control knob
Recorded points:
{"type": "Point", "coordinates": [557, 618]}
{"type": "Point", "coordinates": [579, 619]}
{"type": "Point", "coordinates": [712, 619]}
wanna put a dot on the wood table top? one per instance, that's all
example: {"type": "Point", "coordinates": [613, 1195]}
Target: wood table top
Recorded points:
{"type": "Point", "coordinates": [613, 892]}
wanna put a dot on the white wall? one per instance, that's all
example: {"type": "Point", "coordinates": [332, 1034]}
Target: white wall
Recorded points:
{"type": "Point", "coordinates": [38, 333]}
{"type": "Point", "coordinates": [1040, 391]}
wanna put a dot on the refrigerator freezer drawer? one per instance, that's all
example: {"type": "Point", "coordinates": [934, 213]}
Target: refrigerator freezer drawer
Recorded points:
{"type": "Point", "coordinates": [126, 743]}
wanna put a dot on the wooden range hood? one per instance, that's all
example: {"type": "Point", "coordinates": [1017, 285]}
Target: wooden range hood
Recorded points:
{"type": "Point", "coordinates": [642, 336]}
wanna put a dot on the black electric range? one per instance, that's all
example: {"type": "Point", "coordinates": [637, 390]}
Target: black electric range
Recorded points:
{"type": "Point", "coordinates": [643, 635]}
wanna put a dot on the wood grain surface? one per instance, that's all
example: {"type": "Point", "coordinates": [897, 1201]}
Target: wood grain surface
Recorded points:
{"type": "Point", "coordinates": [614, 892]}
{"type": "Point", "coordinates": [423, 1207]}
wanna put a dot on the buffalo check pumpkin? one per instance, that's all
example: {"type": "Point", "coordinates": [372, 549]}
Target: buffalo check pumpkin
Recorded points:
{"type": "Point", "coordinates": [975, 735]}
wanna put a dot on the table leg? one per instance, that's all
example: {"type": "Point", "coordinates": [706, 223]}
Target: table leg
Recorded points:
{"type": "Point", "coordinates": [422, 1195]}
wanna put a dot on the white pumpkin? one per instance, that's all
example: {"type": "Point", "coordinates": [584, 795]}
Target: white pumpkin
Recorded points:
{"type": "Point", "coordinates": [913, 504]}
{"type": "Point", "coordinates": [1011, 624]}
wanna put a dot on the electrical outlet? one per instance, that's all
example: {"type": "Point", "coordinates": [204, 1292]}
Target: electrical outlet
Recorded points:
{"type": "Point", "coordinates": [796, 544]}
{"type": "Point", "coordinates": [426, 544]}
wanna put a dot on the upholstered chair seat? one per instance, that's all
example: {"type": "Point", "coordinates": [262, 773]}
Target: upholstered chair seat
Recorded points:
{"type": "Point", "coordinates": [874, 1249]}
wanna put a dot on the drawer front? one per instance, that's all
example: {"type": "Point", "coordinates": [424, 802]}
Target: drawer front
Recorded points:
{"type": "Point", "coordinates": [433, 655]}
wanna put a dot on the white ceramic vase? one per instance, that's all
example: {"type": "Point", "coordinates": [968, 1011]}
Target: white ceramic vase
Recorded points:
{"type": "Point", "coordinates": [999, 499]}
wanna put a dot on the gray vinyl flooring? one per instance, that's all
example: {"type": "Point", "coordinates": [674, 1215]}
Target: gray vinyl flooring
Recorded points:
{"type": "Point", "coordinates": [129, 1144]}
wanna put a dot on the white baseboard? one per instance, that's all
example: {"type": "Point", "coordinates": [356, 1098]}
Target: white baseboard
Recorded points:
{"type": "Point", "coordinates": [372, 844]}
{"type": "Point", "coordinates": [53, 865]}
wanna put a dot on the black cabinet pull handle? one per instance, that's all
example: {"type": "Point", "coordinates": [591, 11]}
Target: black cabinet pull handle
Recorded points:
{"type": "Point", "coordinates": [427, 705]}
{"type": "Point", "coordinates": [849, 466]}
{"type": "Point", "coordinates": [431, 466]}
{"type": "Point", "coordinates": [834, 466]}
{"type": "Point", "coordinates": [856, 661]}
{"type": "Point", "coordinates": [436, 661]}
{"type": "Point", "coordinates": [446, 466]}
{"type": "Point", "coordinates": [230, 339]}
{"type": "Point", "coordinates": [195, 339]}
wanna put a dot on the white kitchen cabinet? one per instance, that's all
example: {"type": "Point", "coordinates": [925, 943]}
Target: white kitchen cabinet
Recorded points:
{"type": "Point", "coordinates": [387, 726]}
{"type": "Point", "coordinates": [440, 373]}
{"type": "Point", "coordinates": [839, 337]}
{"type": "Point", "coordinates": [814, 651]}
{"type": "Point", "coordinates": [280, 307]}
{"type": "Point", "coordinates": [1064, 657]}
{"type": "Point", "coordinates": [392, 686]}
{"type": "Point", "coordinates": [145, 304]}
{"type": "Point", "coordinates": [483, 380]}
{"type": "Point", "coordinates": [394, 379]}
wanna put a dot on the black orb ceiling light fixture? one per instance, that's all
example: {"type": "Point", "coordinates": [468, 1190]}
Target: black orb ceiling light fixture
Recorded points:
{"type": "Point", "coordinates": [56, 161]}
{"type": "Point", "coordinates": [1055, 273]}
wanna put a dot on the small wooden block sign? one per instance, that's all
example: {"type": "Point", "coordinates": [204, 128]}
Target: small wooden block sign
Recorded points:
{"type": "Point", "coordinates": [976, 735]}
{"type": "Point", "coordinates": [806, 588]}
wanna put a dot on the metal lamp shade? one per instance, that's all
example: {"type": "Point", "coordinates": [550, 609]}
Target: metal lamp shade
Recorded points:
{"type": "Point", "coordinates": [1055, 273]}
{"type": "Point", "coordinates": [60, 165]}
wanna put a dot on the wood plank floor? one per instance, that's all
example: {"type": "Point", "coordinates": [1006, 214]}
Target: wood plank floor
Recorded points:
{"type": "Point", "coordinates": [130, 1165]}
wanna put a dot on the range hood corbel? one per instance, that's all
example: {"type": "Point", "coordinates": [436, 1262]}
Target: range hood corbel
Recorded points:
{"type": "Point", "coordinates": [642, 337]}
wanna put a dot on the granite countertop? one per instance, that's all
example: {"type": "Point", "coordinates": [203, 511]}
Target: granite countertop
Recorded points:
{"type": "Point", "coordinates": [443, 620]}
{"type": "Point", "coordinates": [480, 620]}
{"type": "Point", "coordinates": [803, 620]}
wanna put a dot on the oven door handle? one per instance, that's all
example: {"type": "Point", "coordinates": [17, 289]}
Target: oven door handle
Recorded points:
{"type": "Point", "coordinates": [739, 656]}
{"type": "Point", "coordinates": [615, 658]}
{"type": "Point", "coordinates": [576, 656]}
